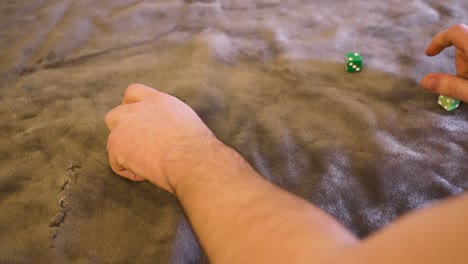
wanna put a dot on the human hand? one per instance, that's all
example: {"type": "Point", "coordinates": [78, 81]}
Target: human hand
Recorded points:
{"type": "Point", "coordinates": [446, 84]}
{"type": "Point", "coordinates": [154, 134]}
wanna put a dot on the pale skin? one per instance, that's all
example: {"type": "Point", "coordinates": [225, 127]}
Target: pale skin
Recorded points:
{"type": "Point", "coordinates": [239, 217]}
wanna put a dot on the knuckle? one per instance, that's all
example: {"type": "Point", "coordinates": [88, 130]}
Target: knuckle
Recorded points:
{"type": "Point", "coordinates": [133, 89]}
{"type": "Point", "coordinates": [134, 86]}
{"type": "Point", "coordinates": [460, 27]}
{"type": "Point", "coordinates": [112, 142]}
{"type": "Point", "coordinates": [108, 118]}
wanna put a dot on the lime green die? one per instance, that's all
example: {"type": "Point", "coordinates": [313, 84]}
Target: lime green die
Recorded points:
{"type": "Point", "coordinates": [353, 62]}
{"type": "Point", "coordinates": [448, 103]}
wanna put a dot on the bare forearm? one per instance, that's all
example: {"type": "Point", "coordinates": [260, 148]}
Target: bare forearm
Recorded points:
{"type": "Point", "coordinates": [241, 218]}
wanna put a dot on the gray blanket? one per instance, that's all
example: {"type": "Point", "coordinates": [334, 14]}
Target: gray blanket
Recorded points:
{"type": "Point", "coordinates": [267, 76]}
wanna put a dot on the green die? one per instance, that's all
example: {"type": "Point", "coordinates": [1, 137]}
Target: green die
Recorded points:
{"type": "Point", "coordinates": [448, 103]}
{"type": "Point", "coordinates": [353, 62]}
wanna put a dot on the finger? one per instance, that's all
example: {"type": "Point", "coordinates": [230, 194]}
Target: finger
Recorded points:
{"type": "Point", "coordinates": [461, 63]}
{"type": "Point", "coordinates": [445, 84]}
{"type": "Point", "coordinates": [120, 170]}
{"type": "Point", "coordinates": [113, 117]}
{"type": "Point", "coordinates": [138, 92]}
{"type": "Point", "coordinates": [454, 36]}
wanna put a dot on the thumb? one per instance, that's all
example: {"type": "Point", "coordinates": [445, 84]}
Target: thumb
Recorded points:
{"type": "Point", "coordinates": [446, 84]}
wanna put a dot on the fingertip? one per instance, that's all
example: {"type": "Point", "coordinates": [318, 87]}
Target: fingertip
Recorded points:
{"type": "Point", "coordinates": [439, 42]}
{"type": "Point", "coordinates": [430, 75]}
{"type": "Point", "coordinates": [429, 52]}
{"type": "Point", "coordinates": [433, 49]}
{"type": "Point", "coordinates": [430, 82]}
{"type": "Point", "coordinates": [446, 84]}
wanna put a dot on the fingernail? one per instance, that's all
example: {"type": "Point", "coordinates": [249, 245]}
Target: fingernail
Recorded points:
{"type": "Point", "coordinates": [431, 84]}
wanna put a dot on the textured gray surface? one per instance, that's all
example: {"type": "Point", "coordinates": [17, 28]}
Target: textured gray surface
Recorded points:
{"type": "Point", "coordinates": [266, 76]}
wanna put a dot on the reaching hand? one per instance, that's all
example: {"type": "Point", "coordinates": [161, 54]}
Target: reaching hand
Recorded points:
{"type": "Point", "coordinates": [446, 84]}
{"type": "Point", "coordinates": [153, 134]}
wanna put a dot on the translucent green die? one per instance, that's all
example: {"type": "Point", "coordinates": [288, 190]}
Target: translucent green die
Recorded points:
{"type": "Point", "coordinates": [448, 103]}
{"type": "Point", "coordinates": [353, 62]}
